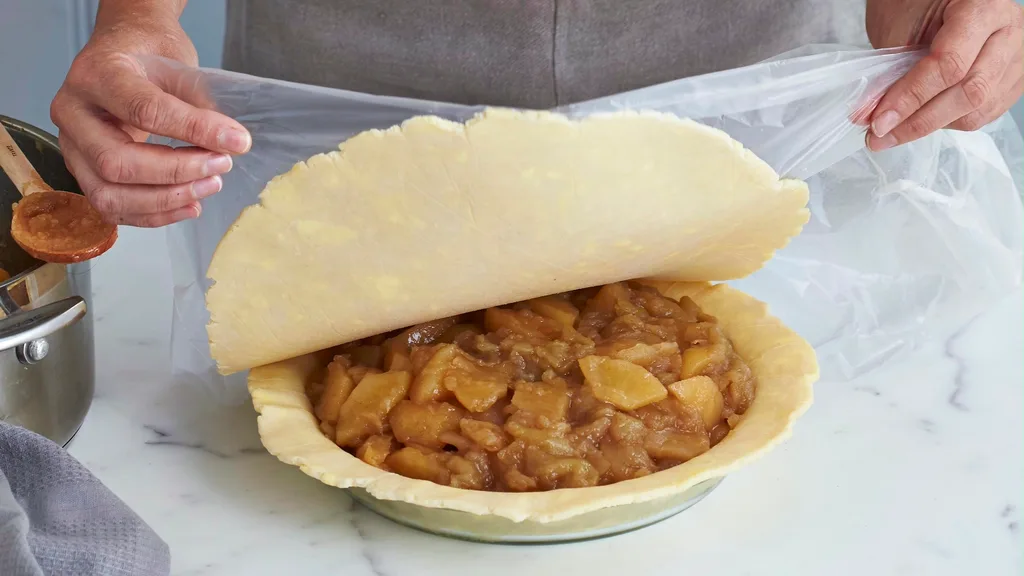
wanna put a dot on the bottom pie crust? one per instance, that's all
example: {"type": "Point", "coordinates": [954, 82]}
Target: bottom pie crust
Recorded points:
{"type": "Point", "coordinates": [783, 364]}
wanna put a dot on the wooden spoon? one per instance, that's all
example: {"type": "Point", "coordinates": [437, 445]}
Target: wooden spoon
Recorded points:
{"type": "Point", "coordinates": [51, 225]}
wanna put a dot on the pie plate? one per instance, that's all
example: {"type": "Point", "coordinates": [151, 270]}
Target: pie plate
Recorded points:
{"type": "Point", "coordinates": [494, 529]}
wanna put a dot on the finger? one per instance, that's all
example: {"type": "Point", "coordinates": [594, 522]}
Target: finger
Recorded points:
{"type": "Point", "coordinates": [976, 90]}
{"type": "Point", "coordinates": [138, 102]}
{"type": "Point", "coordinates": [189, 212]}
{"type": "Point", "coordinates": [953, 51]}
{"type": "Point", "coordinates": [116, 157]}
{"type": "Point", "coordinates": [987, 114]}
{"type": "Point", "coordinates": [115, 200]}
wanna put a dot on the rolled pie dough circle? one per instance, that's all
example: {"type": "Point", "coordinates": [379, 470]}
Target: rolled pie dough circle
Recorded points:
{"type": "Point", "coordinates": [434, 218]}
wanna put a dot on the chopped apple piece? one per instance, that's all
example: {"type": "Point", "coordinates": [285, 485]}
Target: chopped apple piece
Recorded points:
{"type": "Point", "coordinates": [488, 436]}
{"type": "Point", "coordinates": [657, 417]}
{"type": "Point", "coordinates": [718, 433]}
{"type": "Point", "coordinates": [686, 417]}
{"type": "Point", "coordinates": [546, 402]}
{"type": "Point", "coordinates": [702, 394]}
{"type": "Point", "coordinates": [612, 299]}
{"type": "Point", "coordinates": [673, 445]}
{"type": "Point", "coordinates": [693, 334]}
{"type": "Point", "coordinates": [419, 356]}
{"type": "Point", "coordinates": [627, 430]}
{"type": "Point", "coordinates": [566, 473]}
{"type": "Point", "coordinates": [658, 306]}
{"type": "Point", "coordinates": [599, 462]}
{"type": "Point", "coordinates": [418, 463]}
{"type": "Point", "coordinates": [375, 450]}
{"type": "Point", "coordinates": [429, 383]}
{"type": "Point", "coordinates": [551, 440]}
{"type": "Point", "coordinates": [512, 456]}
{"type": "Point", "coordinates": [626, 460]}
{"type": "Point", "coordinates": [592, 432]}
{"type": "Point", "coordinates": [558, 356]}
{"type": "Point", "coordinates": [611, 347]}
{"type": "Point", "coordinates": [476, 387]}
{"type": "Point", "coordinates": [470, 472]}
{"type": "Point", "coordinates": [423, 424]}
{"type": "Point", "coordinates": [741, 394]}
{"type": "Point", "coordinates": [359, 372]}
{"type": "Point", "coordinates": [396, 356]}
{"type": "Point", "coordinates": [620, 383]}
{"type": "Point", "coordinates": [706, 359]}
{"type": "Point", "coordinates": [516, 481]}
{"type": "Point", "coordinates": [337, 387]}
{"type": "Point", "coordinates": [738, 370]}
{"type": "Point", "coordinates": [558, 309]}
{"type": "Point", "coordinates": [522, 323]}
{"type": "Point", "coordinates": [366, 410]}
{"type": "Point", "coordinates": [592, 324]}
{"type": "Point", "coordinates": [585, 405]}
{"type": "Point", "coordinates": [645, 354]}
{"type": "Point", "coordinates": [691, 308]}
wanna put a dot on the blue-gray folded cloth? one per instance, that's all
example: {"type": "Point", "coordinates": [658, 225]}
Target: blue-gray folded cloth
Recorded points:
{"type": "Point", "coordinates": [56, 518]}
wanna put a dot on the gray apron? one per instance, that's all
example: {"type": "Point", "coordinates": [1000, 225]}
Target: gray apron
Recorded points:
{"type": "Point", "coordinates": [527, 53]}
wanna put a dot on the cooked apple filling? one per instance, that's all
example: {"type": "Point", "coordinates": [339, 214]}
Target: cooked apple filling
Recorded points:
{"type": "Point", "coordinates": [579, 389]}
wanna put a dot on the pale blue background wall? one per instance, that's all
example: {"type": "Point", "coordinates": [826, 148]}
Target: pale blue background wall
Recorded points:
{"type": "Point", "coordinates": [204, 22]}
{"type": "Point", "coordinates": [39, 38]}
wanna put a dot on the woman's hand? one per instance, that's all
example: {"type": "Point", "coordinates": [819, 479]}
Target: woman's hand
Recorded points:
{"type": "Point", "coordinates": [110, 104]}
{"type": "Point", "coordinates": [974, 73]}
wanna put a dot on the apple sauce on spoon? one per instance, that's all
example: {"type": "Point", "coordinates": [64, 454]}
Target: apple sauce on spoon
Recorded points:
{"type": "Point", "coordinates": [52, 225]}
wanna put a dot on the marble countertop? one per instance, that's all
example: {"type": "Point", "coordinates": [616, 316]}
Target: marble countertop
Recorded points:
{"type": "Point", "coordinates": [915, 468]}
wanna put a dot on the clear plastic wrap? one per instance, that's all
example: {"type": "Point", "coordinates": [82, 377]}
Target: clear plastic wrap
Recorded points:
{"type": "Point", "coordinates": [896, 239]}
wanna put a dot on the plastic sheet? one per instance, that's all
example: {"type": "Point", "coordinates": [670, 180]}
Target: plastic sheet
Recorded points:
{"type": "Point", "coordinates": [895, 238]}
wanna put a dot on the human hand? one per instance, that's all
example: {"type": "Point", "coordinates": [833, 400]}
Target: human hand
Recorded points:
{"type": "Point", "coordinates": [108, 106]}
{"type": "Point", "coordinates": [973, 74]}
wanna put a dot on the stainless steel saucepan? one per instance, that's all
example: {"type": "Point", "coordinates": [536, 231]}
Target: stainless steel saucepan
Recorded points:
{"type": "Point", "coordinates": [47, 366]}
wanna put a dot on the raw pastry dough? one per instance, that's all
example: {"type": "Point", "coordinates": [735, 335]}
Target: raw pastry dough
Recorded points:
{"type": "Point", "coordinates": [435, 218]}
{"type": "Point", "coordinates": [783, 364]}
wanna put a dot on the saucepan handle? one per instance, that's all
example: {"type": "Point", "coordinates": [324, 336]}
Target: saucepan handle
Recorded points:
{"type": "Point", "coordinates": [26, 330]}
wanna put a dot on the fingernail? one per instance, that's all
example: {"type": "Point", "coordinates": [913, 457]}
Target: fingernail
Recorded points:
{"type": "Point", "coordinates": [206, 187]}
{"type": "Point", "coordinates": [219, 164]}
{"type": "Point", "coordinates": [234, 141]}
{"type": "Point", "coordinates": [885, 123]}
{"type": "Point", "coordinates": [884, 143]}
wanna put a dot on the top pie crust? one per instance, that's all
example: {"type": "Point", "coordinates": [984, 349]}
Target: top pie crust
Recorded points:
{"type": "Point", "coordinates": [435, 218]}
